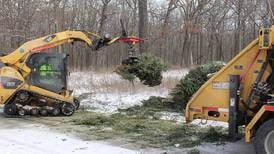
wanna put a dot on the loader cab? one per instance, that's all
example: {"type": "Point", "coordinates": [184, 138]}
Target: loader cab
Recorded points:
{"type": "Point", "coordinates": [48, 71]}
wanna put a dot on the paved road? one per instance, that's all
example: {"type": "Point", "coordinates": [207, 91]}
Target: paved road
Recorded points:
{"type": "Point", "coordinates": [239, 147]}
{"type": "Point", "coordinates": [37, 135]}
{"type": "Point", "coordinates": [26, 137]}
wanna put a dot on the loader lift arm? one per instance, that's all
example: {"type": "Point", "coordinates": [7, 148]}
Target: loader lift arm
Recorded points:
{"type": "Point", "coordinates": [17, 57]}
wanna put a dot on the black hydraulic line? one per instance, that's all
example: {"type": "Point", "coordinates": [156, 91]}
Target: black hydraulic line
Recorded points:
{"type": "Point", "coordinates": [258, 79]}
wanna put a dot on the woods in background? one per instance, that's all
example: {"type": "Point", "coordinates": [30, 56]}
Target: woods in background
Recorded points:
{"type": "Point", "coordinates": [181, 32]}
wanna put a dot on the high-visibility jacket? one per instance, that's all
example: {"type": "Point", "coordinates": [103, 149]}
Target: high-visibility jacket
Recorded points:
{"type": "Point", "coordinates": [46, 69]}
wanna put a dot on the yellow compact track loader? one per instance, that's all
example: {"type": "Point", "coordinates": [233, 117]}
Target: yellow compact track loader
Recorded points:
{"type": "Point", "coordinates": [241, 93]}
{"type": "Point", "coordinates": [35, 82]}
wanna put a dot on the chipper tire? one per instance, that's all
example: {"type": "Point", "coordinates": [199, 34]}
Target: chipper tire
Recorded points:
{"type": "Point", "coordinates": [264, 140]}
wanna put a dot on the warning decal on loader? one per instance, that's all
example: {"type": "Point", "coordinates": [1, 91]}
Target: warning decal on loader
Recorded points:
{"type": "Point", "coordinates": [220, 85]}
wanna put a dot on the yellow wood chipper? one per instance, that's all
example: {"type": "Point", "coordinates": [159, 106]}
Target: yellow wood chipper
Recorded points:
{"type": "Point", "coordinates": [241, 93]}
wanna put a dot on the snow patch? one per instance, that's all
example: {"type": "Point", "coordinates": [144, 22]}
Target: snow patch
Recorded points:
{"type": "Point", "coordinates": [107, 92]}
{"type": "Point", "coordinates": [110, 102]}
{"type": "Point", "coordinates": [239, 147]}
{"type": "Point", "coordinates": [43, 141]}
{"type": "Point", "coordinates": [179, 118]}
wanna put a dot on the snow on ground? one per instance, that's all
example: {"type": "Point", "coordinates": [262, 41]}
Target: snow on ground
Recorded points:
{"type": "Point", "coordinates": [111, 102]}
{"type": "Point", "coordinates": [205, 123]}
{"type": "Point", "coordinates": [106, 92]}
{"type": "Point", "coordinates": [40, 140]}
{"type": "Point", "coordinates": [179, 118]}
{"type": "Point", "coordinates": [238, 147]}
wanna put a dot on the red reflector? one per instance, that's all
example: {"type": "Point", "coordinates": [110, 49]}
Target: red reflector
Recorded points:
{"type": "Point", "coordinates": [43, 48]}
{"type": "Point", "coordinates": [195, 110]}
{"type": "Point", "coordinates": [130, 39]}
{"type": "Point", "coordinates": [211, 108]}
{"type": "Point", "coordinates": [269, 108]}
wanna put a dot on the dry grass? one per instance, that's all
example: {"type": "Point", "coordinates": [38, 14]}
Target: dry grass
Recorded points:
{"type": "Point", "coordinates": [153, 132]}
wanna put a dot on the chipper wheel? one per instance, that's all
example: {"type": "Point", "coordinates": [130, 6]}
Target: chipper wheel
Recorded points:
{"type": "Point", "coordinates": [68, 109]}
{"type": "Point", "coordinates": [264, 140]}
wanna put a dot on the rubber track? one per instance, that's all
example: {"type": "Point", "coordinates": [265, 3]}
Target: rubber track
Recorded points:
{"type": "Point", "coordinates": [39, 96]}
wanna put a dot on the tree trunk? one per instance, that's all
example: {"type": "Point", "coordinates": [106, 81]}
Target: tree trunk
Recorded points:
{"type": "Point", "coordinates": [165, 27]}
{"type": "Point", "coordinates": [272, 15]}
{"type": "Point", "coordinates": [101, 27]}
{"type": "Point", "coordinates": [103, 16]}
{"type": "Point", "coordinates": [143, 24]}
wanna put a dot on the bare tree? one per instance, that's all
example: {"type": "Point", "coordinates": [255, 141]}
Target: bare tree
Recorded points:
{"type": "Point", "coordinates": [171, 7]}
{"type": "Point", "coordinates": [181, 32]}
{"type": "Point", "coordinates": [103, 17]}
{"type": "Point", "coordinates": [271, 9]}
{"type": "Point", "coordinates": [143, 23]}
